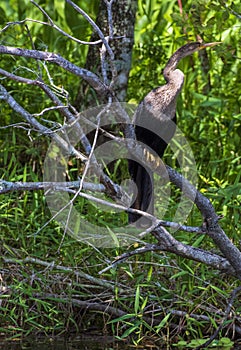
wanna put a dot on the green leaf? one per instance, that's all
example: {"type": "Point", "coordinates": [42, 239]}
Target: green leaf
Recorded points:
{"type": "Point", "coordinates": [137, 299]}
{"type": "Point", "coordinates": [163, 322]}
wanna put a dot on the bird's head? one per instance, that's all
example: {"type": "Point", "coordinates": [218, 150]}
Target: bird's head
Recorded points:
{"type": "Point", "coordinates": [182, 52]}
{"type": "Point", "coordinates": [190, 48]}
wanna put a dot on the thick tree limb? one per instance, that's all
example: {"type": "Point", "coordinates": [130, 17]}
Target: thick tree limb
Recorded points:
{"type": "Point", "coordinates": [229, 250]}
{"type": "Point", "coordinates": [180, 249]}
{"type": "Point", "coordinates": [8, 186]}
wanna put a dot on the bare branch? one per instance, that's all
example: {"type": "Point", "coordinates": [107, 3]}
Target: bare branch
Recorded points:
{"type": "Point", "coordinates": [4, 95]}
{"type": "Point", "coordinates": [53, 25]}
{"type": "Point", "coordinates": [203, 203]}
{"type": "Point", "coordinates": [168, 243]}
{"type": "Point", "coordinates": [230, 251]}
{"type": "Point", "coordinates": [94, 26]}
{"type": "Point", "coordinates": [52, 265]}
{"type": "Point", "coordinates": [180, 249]}
{"type": "Point", "coordinates": [112, 189]}
{"type": "Point", "coordinates": [8, 186]}
{"type": "Point", "coordinates": [226, 316]}
{"type": "Point", "coordinates": [90, 77]}
{"type": "Point", "coordinates": [110, 17]}
{"type": "Point", "coordinates": [105, 41]}
{"type": "Point", "coordinates": [64, 110]}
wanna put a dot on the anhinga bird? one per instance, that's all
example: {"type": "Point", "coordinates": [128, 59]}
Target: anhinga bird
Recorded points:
{"type": "Point", "coordinates": [155, 125]}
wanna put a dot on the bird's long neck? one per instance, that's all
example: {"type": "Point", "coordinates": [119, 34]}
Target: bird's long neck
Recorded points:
{"type": "Point", "coordinates": [171, 66]}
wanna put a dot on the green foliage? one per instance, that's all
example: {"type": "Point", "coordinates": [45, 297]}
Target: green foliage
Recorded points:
{"type": "Point", "coordinates": [222, 344]}
{"type": "Point", "coordinates": [208, 114]}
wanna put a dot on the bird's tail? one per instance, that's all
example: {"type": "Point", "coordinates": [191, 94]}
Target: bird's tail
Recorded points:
{"type": "Point", "coordinates": [144, 193]}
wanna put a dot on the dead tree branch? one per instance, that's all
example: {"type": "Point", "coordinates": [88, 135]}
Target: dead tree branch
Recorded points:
{"type": "Point", "coordinates": [57, 59]}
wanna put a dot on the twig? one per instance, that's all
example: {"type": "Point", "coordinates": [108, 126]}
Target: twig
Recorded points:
{"type": "Point", "coordinates": [52, 265]}
{"type": "Point", "coordinates": [110, 18]}
{"type": "Point", "coordinates": [227, 313]}
{"type": "Point", "coordinates": [125, 256]}
{"type": "Point", "coordinates": [8, 186]}
{"type": "Point", "coordinates": [103, 64]}
{"type": "Point", "coordinates": [104, 40]}
{"type": "Point", "coordinates": [94, 306]}
{"type": "Point", "coordinates": [94, 26]}
{"type": "Point", "coordinates": [87, 165]}
{"type": "Point", "coordinates": [53, 25]}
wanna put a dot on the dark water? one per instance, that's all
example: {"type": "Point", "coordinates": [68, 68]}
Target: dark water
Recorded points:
{"type": "Point", "coordinates": [94, 343]}
{"type": "Point", "coordinates": [90, 343]}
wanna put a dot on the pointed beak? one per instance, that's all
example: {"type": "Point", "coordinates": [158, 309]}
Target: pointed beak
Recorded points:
{"type": "Point", "coordinates": [204, 46]}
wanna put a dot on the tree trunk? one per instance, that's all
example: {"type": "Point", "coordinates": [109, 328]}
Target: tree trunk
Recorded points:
{"type": "Point", "coordinates": [123, 20]}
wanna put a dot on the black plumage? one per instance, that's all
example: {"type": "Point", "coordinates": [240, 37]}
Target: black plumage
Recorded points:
{"type": "Point", "coordinates": [155, 125]}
